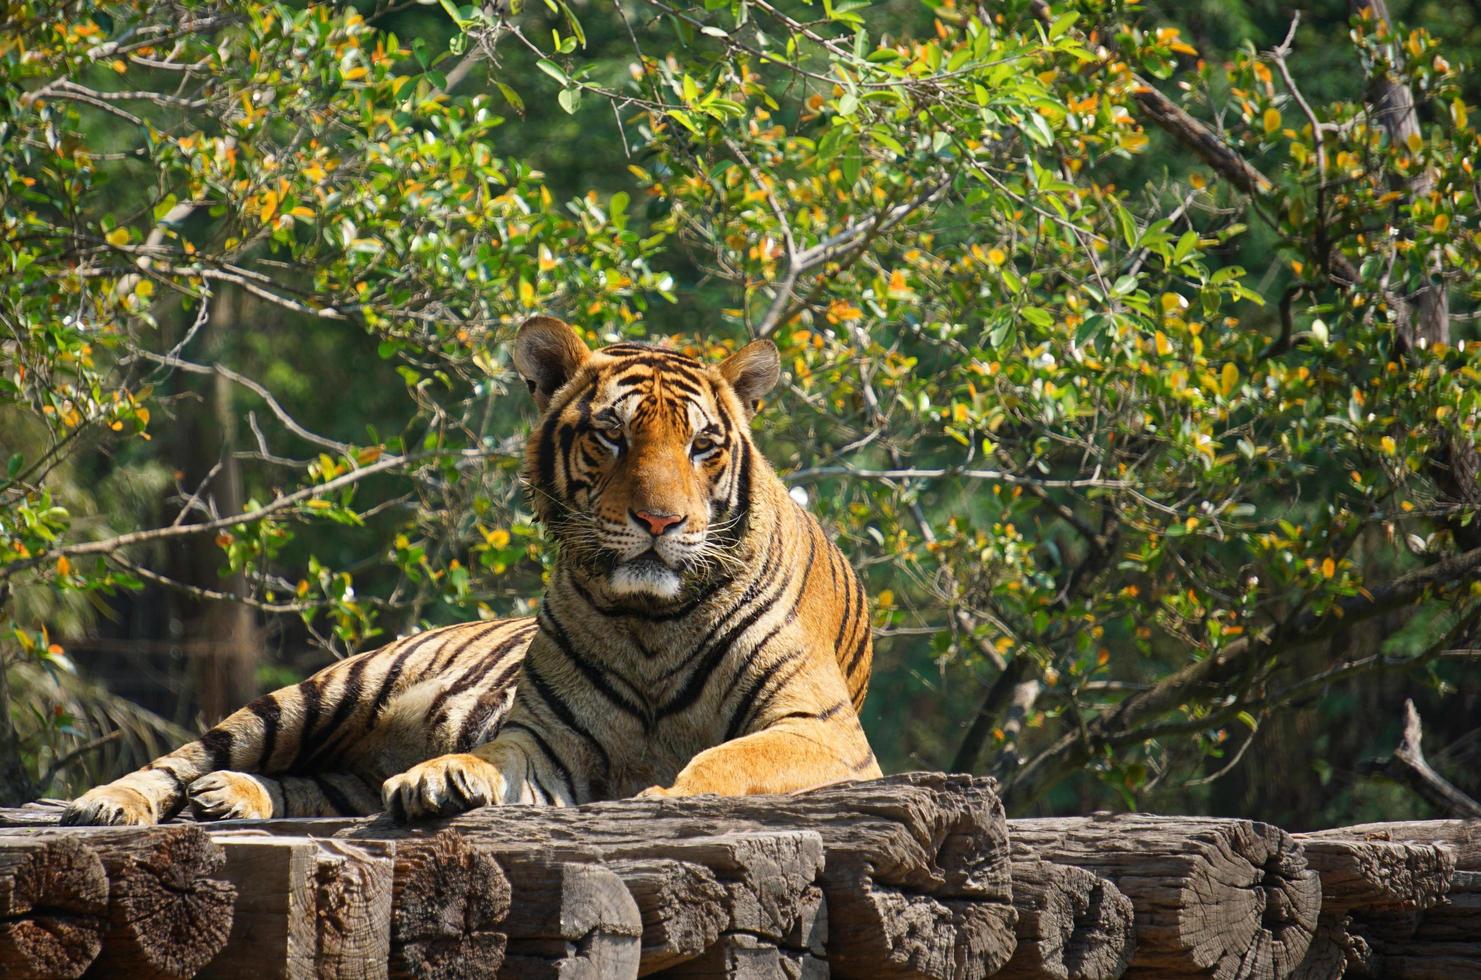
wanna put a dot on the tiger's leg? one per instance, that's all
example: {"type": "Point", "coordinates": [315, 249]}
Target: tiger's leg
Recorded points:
{"type": "Point", "coordinates": [520, 766]}
{"type": "Point", "coordinates": [799, 752]}
{"type": "Point", "coordinates": [227, 795]}
{"type": "Point", "coordinates": [159, 790]}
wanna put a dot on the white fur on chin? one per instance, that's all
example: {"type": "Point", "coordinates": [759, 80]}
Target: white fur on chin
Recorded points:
{"type": "Point", "coordinates": [646, 578]}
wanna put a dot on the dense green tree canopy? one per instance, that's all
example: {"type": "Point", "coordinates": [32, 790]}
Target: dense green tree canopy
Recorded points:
{"type": "Point", "coordinates": [1127, 349]}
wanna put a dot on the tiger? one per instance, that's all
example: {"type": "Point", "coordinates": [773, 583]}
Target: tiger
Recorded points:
{"type": "Point", "coordinates": [699, 632]}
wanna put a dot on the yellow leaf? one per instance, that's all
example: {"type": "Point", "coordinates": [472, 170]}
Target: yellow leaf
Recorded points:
{"type": "Point", "coordinates": [302, 212]}
{"type": "Point", "coordinates": [1163, 347]}
{"type": "Point", "coordinates": [885, 599]}
{"type": "Point", "coordinates": [1271, 120]}
{"type": "Point", "coordinates": [144, 289]}
{"type": "Point", "coordinates": [1388, 444]}
{"type": "Point", "coordinates": [118, 237]}
{"type": "Point", "coordinates": [1329, 568]}
{"type": "Point", "coordinates": [302, 588]}
{"type": "Point", "coordinates": [1442, 221]}
{"type": "Point", "coordinates": [996, 256]}
{"type": "Point", "coordinates": [1172, 303]}
{"type": "Point", "coordinates": [526, 293]}
{"type": "Point", "coordinates": [269, 205]}
{"type": "Point", "coordinates": [64, 567]}
{"type": "Point", "coordinates": [1229, 378]}
{"type": "Point", "coordinates": [359, 71]}
{"type": "Point", "coordinates": [1458, 113]}
{"type": "Point", "coordinates": [1414, 141]}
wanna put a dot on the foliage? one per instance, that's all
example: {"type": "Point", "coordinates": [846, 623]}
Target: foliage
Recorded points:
{"type": "Point", "coordinates": [1118, 428]}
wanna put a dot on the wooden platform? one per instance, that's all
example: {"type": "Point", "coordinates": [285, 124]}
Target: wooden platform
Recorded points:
{"type": "Point", "coordinates": [912, 876]}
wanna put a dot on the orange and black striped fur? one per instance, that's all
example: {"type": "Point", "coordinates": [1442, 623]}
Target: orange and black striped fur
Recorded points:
{"type": "Point", "coordinates": [700, 633]}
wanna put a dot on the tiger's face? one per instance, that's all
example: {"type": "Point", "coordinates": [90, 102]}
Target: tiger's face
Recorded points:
{"type": "Point", "coordinates": [640, 464]}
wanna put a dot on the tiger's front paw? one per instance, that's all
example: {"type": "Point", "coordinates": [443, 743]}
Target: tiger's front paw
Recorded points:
{"type": "Point", "coordinates": [441, 787]}
{"type": "Point", "coordinates": [226, 795]}
{"type": "Point", "coordinates": [108, 806]}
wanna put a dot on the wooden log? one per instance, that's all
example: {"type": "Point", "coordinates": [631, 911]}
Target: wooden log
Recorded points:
{"type": "Point", "coordinates": [569, 921]}
{"type": "Point", "coordinates": [352, 906]}
{"type": "Point", "coordinates": [764, 881]}
{"type": "Point", "coordinates": [1439, 943]}
{"type": "Point", "coordinates": [1377, 874]}
{"type": "Point", "coordinates": [169, 910]}
{"type": "Point", "coordinates": [1071, 923]}
{"type": "Point", "coordinates": [1372, 888]}
{"type": "Point", "coordinates": [738, 956]}
{"type": "Point", "coordinates": [1462, 837]}
{"type": "Point", "coordinates": [305, 908]}
{"type": "Point", "coordinates": [449, 899]}
{"type": "Point", "coordinates": [916, 878]}
{"type": "Point", "coordinates": [53, 906]}
{"type": "Point", "coordinates": [1212, 898]}
{"type": "Point", "coordinates": [682, 907]}
{"type": "Point", "coordinates": [272, 928]}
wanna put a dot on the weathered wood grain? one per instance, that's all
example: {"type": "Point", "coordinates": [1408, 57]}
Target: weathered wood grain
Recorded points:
{"type": "Point", "coordinates": [53, 906]}
{"type": "Point", "coordinates": [1212, 898]}
{"type": "Point", "coordinates": [449, 900]}
{"type": "Point", "coordinates": [916, 877]}
{"type": "Point", "coordinates": [169, 908]}
{"type": "Point", "coordinates": [569, 921]}
{"type": "Point", "coordinates": [1071, 923]}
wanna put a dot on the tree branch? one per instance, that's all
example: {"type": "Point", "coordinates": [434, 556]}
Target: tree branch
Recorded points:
{"type": "Point", "coordinates": [1119, 725]}
{"type": "Point", "coordinates": [1408, 768]}
{"type": "Point", "coordinates": [110, 545]}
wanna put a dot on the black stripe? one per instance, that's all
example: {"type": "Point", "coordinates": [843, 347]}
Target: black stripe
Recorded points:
{"type": "Point", "coordinates": [748, 703]}
{"type": "Point", "coordinates": [704, 648]}
{"type": "Point", "coordinates": [349, 700]}
{"type": "Point", "coordinates": [271, 713]}
{"type": "Point", "coordinates": [334, 795]}
{"type": "Point", "coordinates": [846, 621]}
{"type": "Point", "coordinates": [650, 354]}
{"type": "Point", "coordinates": [217, 742]}
{"type": "Point", "coordinates": [857, 656]}
{"type": "Point", "coordinates": [445, 659]}
{"type": "Point", "coordinates": [701, 674]}
{"type": "Point", "coordinates": [477, 718]}
{"type": "Point", "coordinates": [474, 674]}
{"type": "Point", "coordinates": [545, 452]}
{"type": "Point", "coordinates": [180, 786]}
{"type": "Point", "coordinates": [742, 500]}
{"type": "Point", "coordinates": [393, 673]}
{"type": "Point", "coordinates": [863, 763]}
{"type": "Point", "coordinates": [862, 616]}
{"type": "Point", "coordinates": [563, 712]}
{"type": "Point", "coordinates": [548, 752]}
{"type": "Point", "coordinates": [594, 674]}
{"type": "Point", "coordinates": [312, 692]}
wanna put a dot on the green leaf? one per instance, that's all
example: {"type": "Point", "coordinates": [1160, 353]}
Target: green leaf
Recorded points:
{"type": "Point", "coordinates": [553, 70]}
{"type": "Point", "coordinates": [569, 99]}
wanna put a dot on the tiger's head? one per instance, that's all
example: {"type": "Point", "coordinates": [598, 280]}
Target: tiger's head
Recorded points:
{"type": "Point", "coordinates": [641, 465]}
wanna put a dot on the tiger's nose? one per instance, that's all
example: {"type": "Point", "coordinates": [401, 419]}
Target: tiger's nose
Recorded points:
{"type": "Point", "coordinates": [658, 523]}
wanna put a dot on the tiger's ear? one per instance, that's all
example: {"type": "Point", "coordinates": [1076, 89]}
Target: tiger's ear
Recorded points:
{"type": "Point", "coordinates": [752, 371]}
{"type": "Point", "coordinates": [546, 353]}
